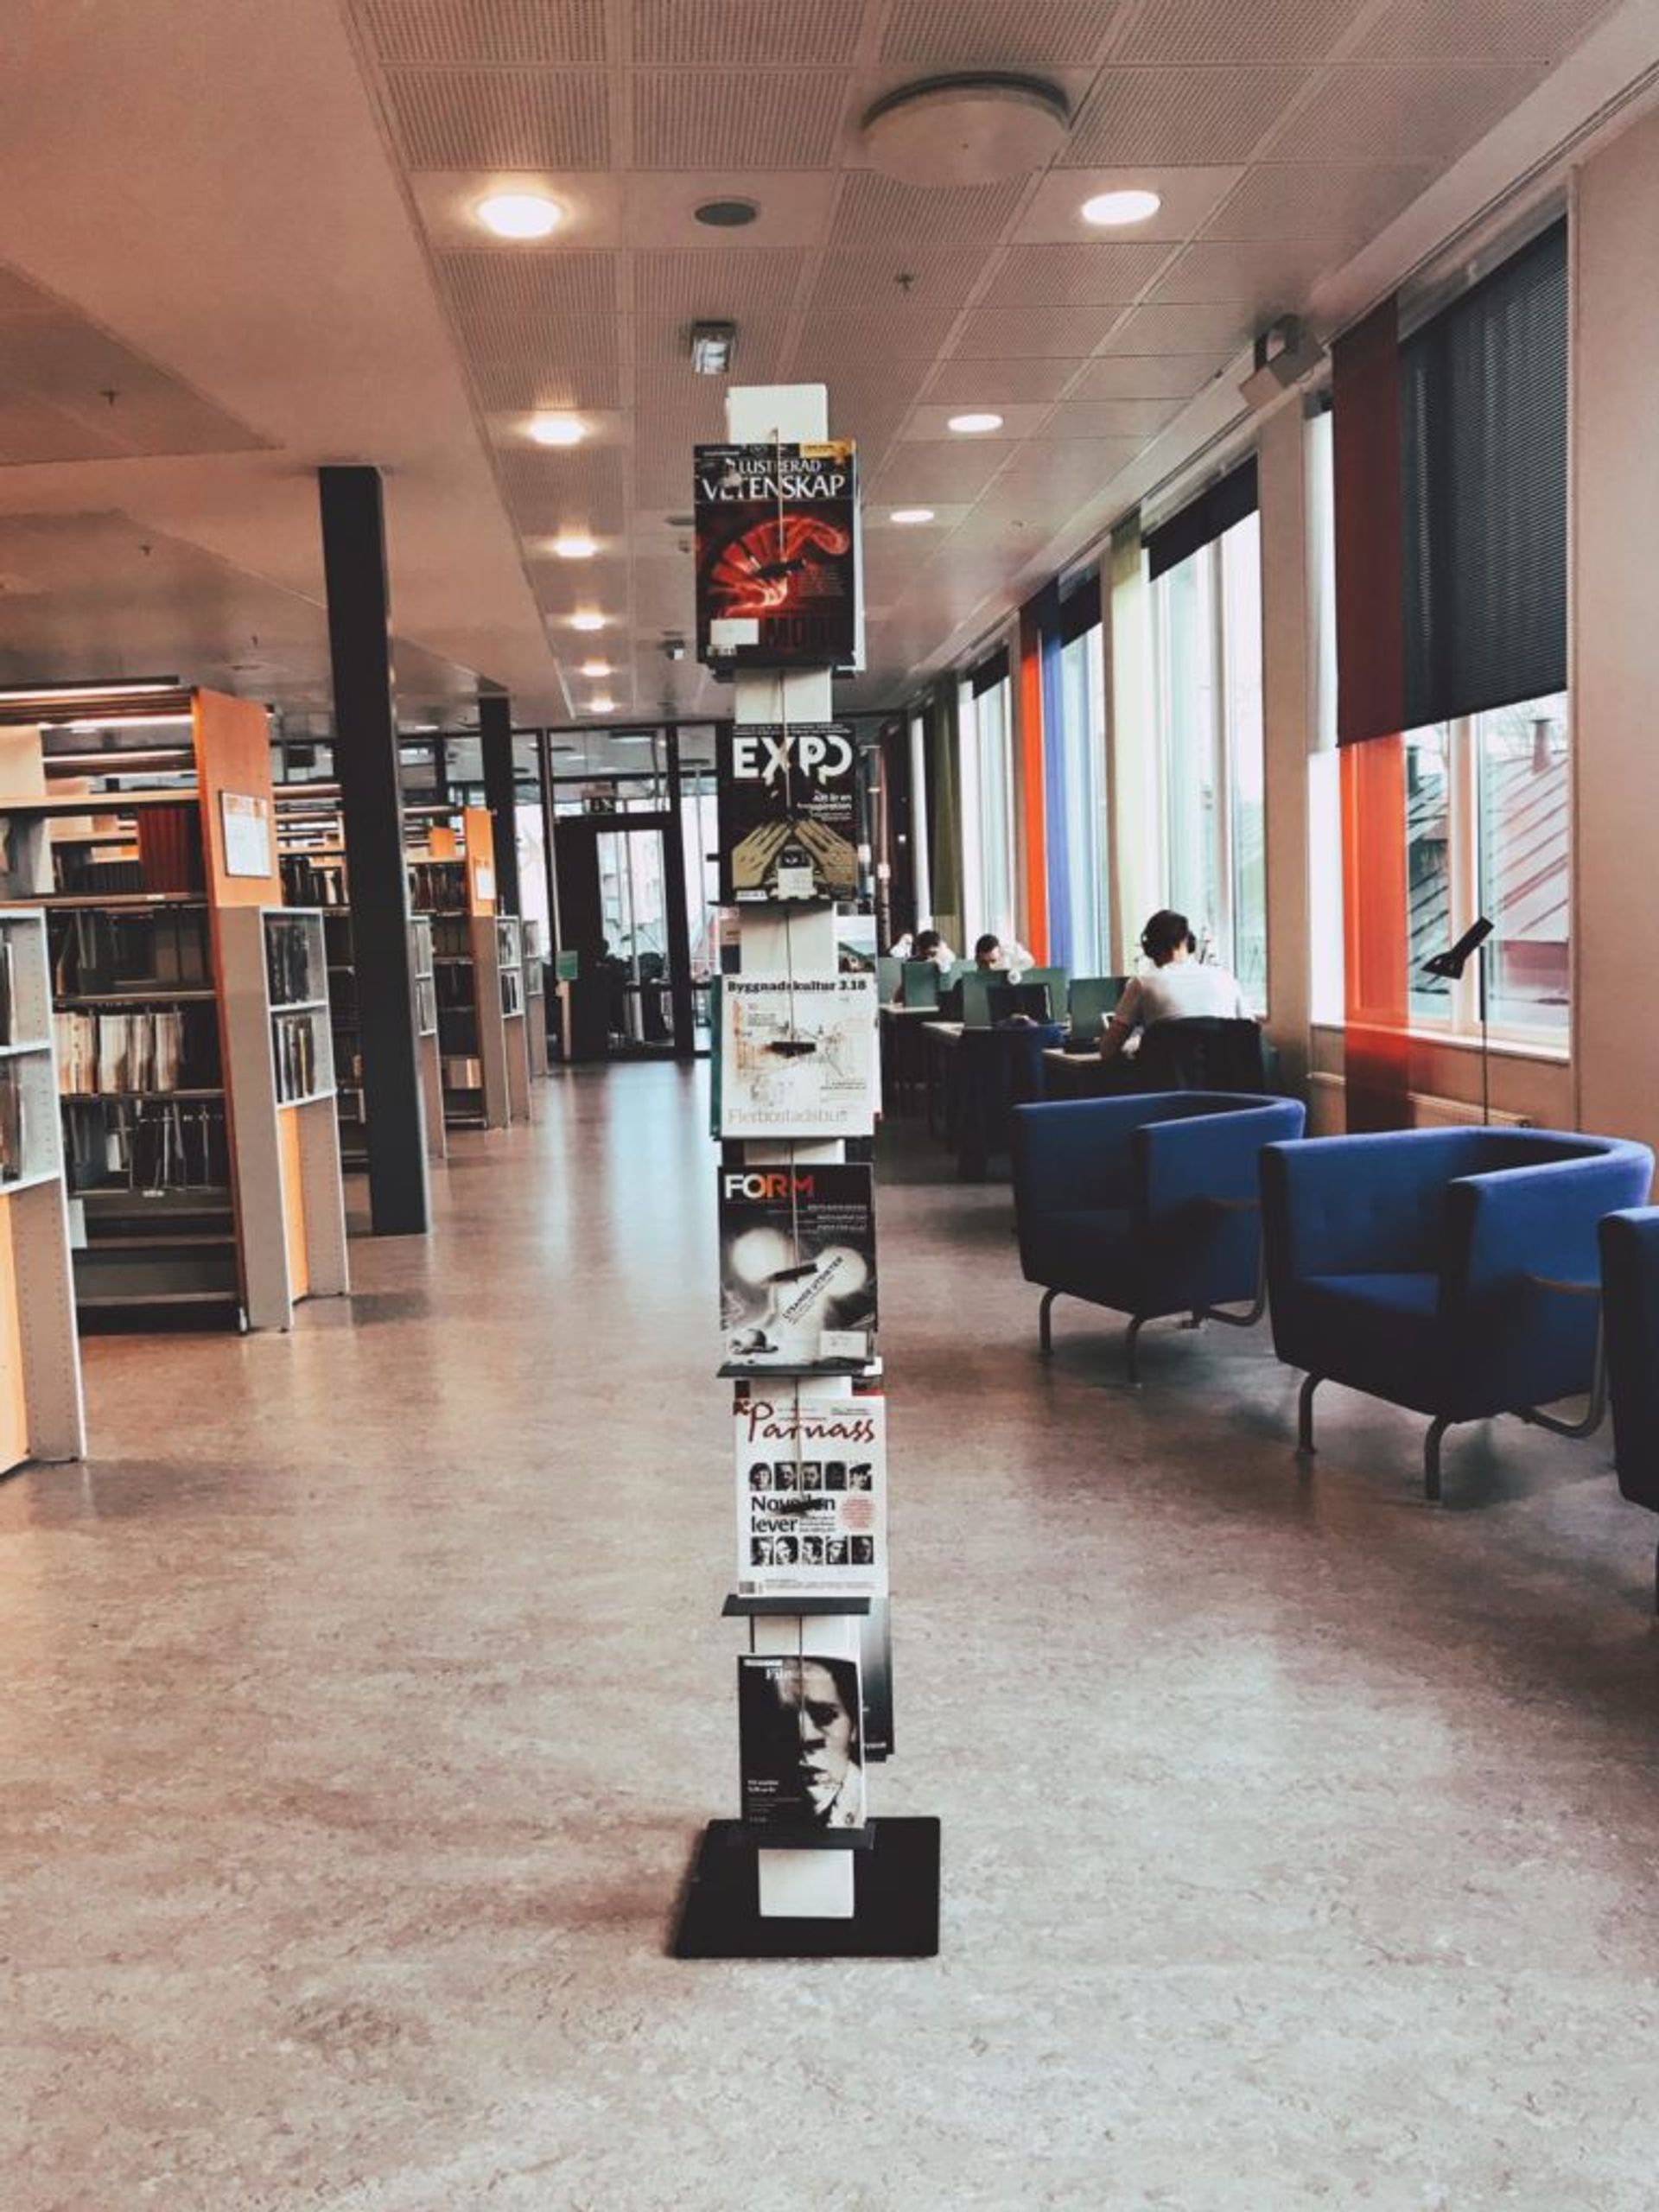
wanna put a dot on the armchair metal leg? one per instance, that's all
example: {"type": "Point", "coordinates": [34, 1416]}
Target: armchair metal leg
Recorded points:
{"type": "Point", "coordinates": [1045, 1330]}
{"type": "Point", "coordinates": [1130, 1343]}
{"type": "Point", "coordinates": [1305, 1412]}
{"type": "Point", "coordinates": [1431, 1460]}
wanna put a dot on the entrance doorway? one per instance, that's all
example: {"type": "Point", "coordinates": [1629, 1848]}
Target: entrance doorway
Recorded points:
{"type": "Point", "coordinates": [622, 911]}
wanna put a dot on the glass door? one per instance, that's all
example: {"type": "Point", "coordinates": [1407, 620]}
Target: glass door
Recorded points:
{"type": "Point", "coordinates": [634, 937]}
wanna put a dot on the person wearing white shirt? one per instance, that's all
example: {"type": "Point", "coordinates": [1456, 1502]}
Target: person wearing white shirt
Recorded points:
{"type": "Point", "coordinates": [1179, 988]}
{"type": "Point", "coordinates": [992, 956]}
{"type": "Point", "coordinates": [926, 945]}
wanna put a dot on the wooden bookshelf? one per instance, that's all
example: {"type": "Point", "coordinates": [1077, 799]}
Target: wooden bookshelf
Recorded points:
{"type": "Point", "coordinates": [426, 1033]}
{"type": "Point", "coordinates": [485, 1068]}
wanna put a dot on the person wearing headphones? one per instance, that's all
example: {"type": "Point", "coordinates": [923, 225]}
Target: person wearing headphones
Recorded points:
{"type": "Point", "coordinates": [1179, 988]}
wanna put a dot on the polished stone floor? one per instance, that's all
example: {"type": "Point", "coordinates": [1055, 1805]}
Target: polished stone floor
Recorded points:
{"type": "Point", "coordinates": [365, 1693]}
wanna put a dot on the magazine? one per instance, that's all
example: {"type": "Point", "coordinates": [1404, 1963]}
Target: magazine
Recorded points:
{"type": "Point", "coordinates": [778, 555]}
{"type": "Point", "coordinates": [788, 811]}
{"type": "Point", "coordinates": [811, 1494]}
{"type": "Point", "coordinates": [798, 1267]}
{"type": "Point", "coordinates": [800, 1739]}
{"type": "Point", "coordinates": [797, 1056]}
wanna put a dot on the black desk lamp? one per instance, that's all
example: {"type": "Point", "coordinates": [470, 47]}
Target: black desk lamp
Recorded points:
{"type": "Point", "coordinates": [1449, 965]}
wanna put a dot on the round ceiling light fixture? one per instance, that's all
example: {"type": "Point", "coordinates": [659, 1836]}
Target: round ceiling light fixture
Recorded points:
{"type": "Point", "coordinates": [974, 127]}
{"type": "Point", "coordinates": [602, 704]}
{"type": "Point", "coordinates": [974, 426]}
{"type": "Point", "coordinates": [911, 514]}
{"type": "Point", "coordinates": [596, 668]}
{"type": "Point", "coordinates": [589, 619]}
{"type": "Point", "coordinates": [557, 430]}
{"type": "Point", "coordinates": [519, 214]}
{"type": "Point", "coordinates": [575, 545]}
{"type": "Point", "coordinates": [726, 214]}
{"type": "Point", "coordinates": [1109, 209]}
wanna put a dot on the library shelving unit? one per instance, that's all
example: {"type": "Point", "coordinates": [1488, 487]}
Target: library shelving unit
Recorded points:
{"type": "Point", "coordinates": [534, 1000]}
{"type": "Point", "coordinates": [515, 1019]}
{"type": "Point", "coordinates": [480, 1042]}
{"type": "Point", "coordinates": [311, 843]}
{"type": "Point", "coordinates": [279, 1041]}
{"type": "Point", "coordinates": [426, 1035]}
{"type": "Point", "coordinates": [139, 881]}
{"type": "Point", "coordinates": [42, 1414]}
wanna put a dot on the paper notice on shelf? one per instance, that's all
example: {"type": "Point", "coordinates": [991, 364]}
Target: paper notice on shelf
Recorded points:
{"type": "Point", "coordinates": [731, 630]}
{"type": "Point", "coordinates": [246, 818]}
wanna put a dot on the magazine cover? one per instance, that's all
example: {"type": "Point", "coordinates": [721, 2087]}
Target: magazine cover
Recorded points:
{"type": "Point", "coordinates": [778, 555]}
{"type": "Point", "coordinates": [811, 1494]}
{"type": "Point", "coordinates": [797, 1056]}
{"type": "Point", "coordinates": [800, 1740]}
{"type": "Point", "coordinates": [788, 811]}
{"type": "Point", "coordinates": [797, 1267]}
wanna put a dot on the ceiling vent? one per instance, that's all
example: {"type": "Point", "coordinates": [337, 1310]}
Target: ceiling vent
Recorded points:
{"type": "Point", "coordinates": [978, 127]}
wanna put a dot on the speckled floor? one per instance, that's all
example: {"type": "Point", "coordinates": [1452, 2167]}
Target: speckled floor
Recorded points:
{"type": "Point", "coordinates": [364, 1696]}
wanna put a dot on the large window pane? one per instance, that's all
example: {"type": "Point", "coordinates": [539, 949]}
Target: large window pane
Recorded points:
{"type": "Point", "coordinates": [1185, 612]}
{"type": "Point", "coordinates": [1428, 867]}
{"type": "Point", "coordinates": [996, 817]}
{"type": "Point", "coordinates": [1241, 585]}
{"type": "Point", "coordinates": [1079, 879]}
{"type": "Point", "coordinates": [1522, 770]}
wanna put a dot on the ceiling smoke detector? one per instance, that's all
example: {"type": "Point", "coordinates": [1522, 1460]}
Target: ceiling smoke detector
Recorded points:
{"type": "Point", "coordinates": [977, 127]}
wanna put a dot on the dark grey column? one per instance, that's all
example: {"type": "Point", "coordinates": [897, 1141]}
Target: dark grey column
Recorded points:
{"type": "Point", "coordinates": [365, 764]}
{"type": "Point", "coordinates": [495, 743]}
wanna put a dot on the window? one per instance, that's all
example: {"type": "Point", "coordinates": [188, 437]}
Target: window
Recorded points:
{"type": "Point", "coordinates": [1078, 847]}
{"type": "Point", "coordinates": [1487, 833]}
{"type": "Point", "coordinates": [986, 804]}
{"type": "Point", "coordinates": [1207, 674]}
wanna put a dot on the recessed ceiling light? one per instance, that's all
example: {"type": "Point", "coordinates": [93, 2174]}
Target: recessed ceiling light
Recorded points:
{"type": "Point", "coordinates": [1110, 207]}
{"type": "Point", "coordinates": [602, 704]}
{"type": "Point", "coordinates": [974, 426]}
{"type": "Point", "coordinates": [911, 514]}
{"type": "Point", "coordinates": [557, 430]}
{"type": "Point", "coordinates": [596, 668]}
{"type": "Point", "coordinates": [726, 214]}
{"type": "Point", "coordinates": [587, 620]}
{"type": "Point", "coordinates": [575, 545]}
{"type": "Point", "coordinates": [519, 214]}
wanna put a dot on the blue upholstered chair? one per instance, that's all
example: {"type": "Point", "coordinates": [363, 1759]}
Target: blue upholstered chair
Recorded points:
{"type": "Point", "coordinates": [1148, 1205]}
{"type": "Point", "coordinates": [1629, 1290]}
{"type": "Point", "coordinates": [1446, 1270]}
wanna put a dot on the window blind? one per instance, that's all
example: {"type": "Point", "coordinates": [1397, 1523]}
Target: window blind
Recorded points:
{"type": "Point", "coordinates": [1484, 429]}
{"type": "Point", "coordinates": [1365, 460]}
{"type": "Point", "coordinates": [989, 673]}
{"type": "Point", "coordinates": [1080, 608]}
{"type": "Point", "coordinates": [1203, 519]}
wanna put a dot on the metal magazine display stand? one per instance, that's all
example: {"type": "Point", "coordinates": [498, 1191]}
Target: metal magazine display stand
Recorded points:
{"type": "Point", "coordinates": [816, 1876]}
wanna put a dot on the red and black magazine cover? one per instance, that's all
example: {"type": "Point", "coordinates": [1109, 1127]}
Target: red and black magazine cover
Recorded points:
{"type": "Point", "coordinates": [778, 555]}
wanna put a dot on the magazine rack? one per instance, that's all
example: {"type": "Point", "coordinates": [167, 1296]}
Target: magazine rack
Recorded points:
{"type": "Point", "coordinates": [755, 1890]}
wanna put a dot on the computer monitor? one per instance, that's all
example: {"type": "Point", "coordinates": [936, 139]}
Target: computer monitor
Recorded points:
{"type": "Point", "coordinates": [1089, 1003]}
{"type": "Point", "coordinates": [1025, 997]}
{"type": "Point", "coordinates": [889, 977]}
{"type": "Point", "coordinates": [921, 984]}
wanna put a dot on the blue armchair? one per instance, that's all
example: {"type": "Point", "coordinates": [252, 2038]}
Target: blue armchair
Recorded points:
{"type": "Point", "coordinates": [1629, 1291]}
{"type": "Point", "coordinates": [1446, 1270]}
{"type": "Point", "coordinates": [1148, 1205]}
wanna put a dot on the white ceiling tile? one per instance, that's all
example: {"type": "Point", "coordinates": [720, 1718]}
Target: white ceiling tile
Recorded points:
{"type": "Point", "coordinates": [522, 296]}
{"type": "Point", "coordinates": [544, 488]}
{"type": "Point", "coordinates": [1481, 30]}
{"type": "Point", "coordinates": [1182, 330]}
{"type": "Point", "coordinates": [1092, 273]}
{"type": "Point", "coordinates": [747, 33]}
{"type": "Point", "coordinates": [736, 119]}
{"type": "Point", "coordinates": [989, 383]}
{"type": "Point", "coordinates": [792, 206]}
{"type": "Point", "coordinates": [933, 421]}
{"type": "Point", "coordinates": [994, 34]}
{"type": "Point", "coordinates": [1391, 111]}
{"type": "Point", "coordinates": [1180, 116]}
{"type": "Point", "coordinates": [1112, 418]}
{"type": "Point", "coordinates": [866, 277]}
{"type": "Point", "coordinates": [1262, 30]}
{"type": "Point", "coordinates": [500, 119]}
{"type": "Point", "coordinates": [1149, 376]}
{"type": "Point", "coordinates": [1053, 216]}
{"type": "Point", "coordinates": [1344, 204]}
{"type": "Point", "coordinates": [521, 32]}
{"type": "Point", "coordinates": [1063, 474]}
{"type": "Point", "coordinates": [582, 378]}
{"type": "Point", "coordinates": [925, 473]}
{"type": "Point", "coordinates": [733, 283]}
{"type": "Point", "coordinates": [1057, 334]}
{"type": "Point", "coordinates": [894, 332]}
{"type": "Point", "coordinates": [879, 210]}
{"type": "Point", "coordinates": [1255, 275]}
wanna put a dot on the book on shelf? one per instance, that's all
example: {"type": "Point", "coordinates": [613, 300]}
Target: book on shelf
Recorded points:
{"type": "Point", "coordinates": [797, 1056]}
{"type": "Point", "coordinates": [797, 1280]}
{"type": "Point", "coordinates": [150, 1148]}
{"type": "Point", "coordinates": [295, 1042]}
{"type": "Point", "coordinates": [102, 950]}
{"type": "Point", "coordinates": [800, 1740]}
{"type": "Point", "coordinates": [14, 1123]}
{"type": "Point", "coordinates": [788, 809]}
{"type": "Point", "coordinates": [812, 1493]}
{"type": "Point", "coordinates": [160, 1048]}
{"type": "Point", "coordinates": [778, 556]}
{"type": "Point", "coordinates": [8, 991]}
{"type": "Point", "coordinates": [288, 961]}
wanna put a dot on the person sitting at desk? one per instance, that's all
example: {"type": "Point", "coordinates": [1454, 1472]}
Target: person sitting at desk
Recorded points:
{"type": "Point", "coordinates": [1179, 988]}
{"type": "Point", "coordinates": [993, 957]}
{"type": "Point", "coordinates": [925, 944]}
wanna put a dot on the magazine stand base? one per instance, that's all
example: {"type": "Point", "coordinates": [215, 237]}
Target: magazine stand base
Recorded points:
{"type": "Point", "coordinates": [895, 1909]}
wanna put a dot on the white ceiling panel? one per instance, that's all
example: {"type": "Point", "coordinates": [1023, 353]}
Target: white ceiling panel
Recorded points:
{"type": "Point", "coordinates": [866, 277]}
{"type": "Point", "coordinates": [1051, 214]}
{"type": "Point", "coordinates": [874, 210]}
{"type": "Point", "coordinates": [1149, 376]}
{"type": "Point", "coordinates": [730, 283]}
{"type": "Point", "coordinates": [547, 490]}
{"type": "Point", "coordinates": [1074, 469]}
{"type": "Point", "coordinates": [994, 34]}
{"type": "Point", "coordinates": [1257, 275]}
{"type": "Point", "coordinates": [585, 378]}
{"type": "Point", "coordinates": [896, 330]}
{"type": "Point", "coordinates": [1112, 418]}
{"type": "Point", "coordinates": [1480, 30]}
{"type": "Point", "coordinates": [736, 119]}
{"type": "Point", "coordinates": [524, 34]}
{"type": "Point", "coordinates": [1198, 116]}
{"type": "Point", "coordinates": [744, 33]}
{"type": "Point", "coordinates": [1323, 201]}
{"type": "Point", "coordinates": [1182, 330]}
{"type": "Point", "coordinates": [1056, 333]}
{"type": "Point", "coordinates": [500, 119]}
{"type": "Point", "coordinates": [933, 421]}
{"type": "Point", "coordinates": [990, 384]}
{"type": "Point", "coordinates": [507, 300]}
{"type": "Point", "coordinates": [924, 473]}
{"type": "Point", "coordinates": [1387, 111]}
{"type": "Point", "coordinates": [1262, 30]}
{"type": "Point", "coordinates": [1088, 274]}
